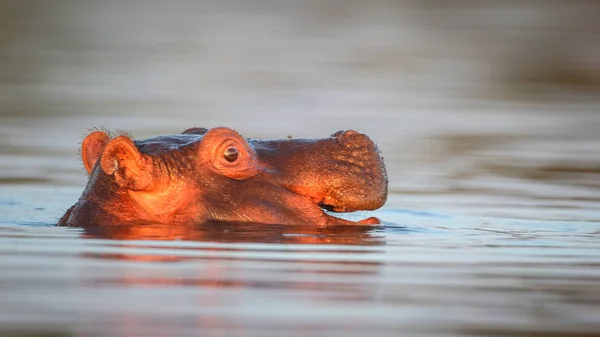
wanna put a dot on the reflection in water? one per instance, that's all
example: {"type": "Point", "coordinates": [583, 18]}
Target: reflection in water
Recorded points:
{"type": "Point", "coordinates": [225, 265]}
{"type": "Point", "coordinates": [222, 232]}
{"type": "Point", "coordinates": [242, 233]}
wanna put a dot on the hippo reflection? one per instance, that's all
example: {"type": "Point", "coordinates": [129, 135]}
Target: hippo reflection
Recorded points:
{"type": "Point", "coordinates": [240, 232]}
{"type": "Point", "coordinates": [211, 175]}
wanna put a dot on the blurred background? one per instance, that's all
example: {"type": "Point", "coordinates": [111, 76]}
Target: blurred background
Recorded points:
{"type": "Point", "coordinates": [462, 96]}
{"type": "Point", "coordinates": [487, 114]}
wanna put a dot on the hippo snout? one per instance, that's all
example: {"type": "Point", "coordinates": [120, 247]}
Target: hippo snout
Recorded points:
{"type": "Point", "coordinates": [342, 173]}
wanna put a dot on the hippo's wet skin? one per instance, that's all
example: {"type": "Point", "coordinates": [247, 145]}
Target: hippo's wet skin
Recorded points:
{"type": "Point", "coordinates": [216, 175]}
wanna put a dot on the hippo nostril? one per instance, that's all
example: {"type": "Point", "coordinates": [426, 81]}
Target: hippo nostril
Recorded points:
{"type": "Point", "coordinates": [348, 137]}
{"type": "Point", "coordinates": [344, 133]}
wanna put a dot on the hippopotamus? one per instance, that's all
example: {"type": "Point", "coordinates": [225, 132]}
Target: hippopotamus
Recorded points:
{"type": "Point", "coordinates": [216, 175]}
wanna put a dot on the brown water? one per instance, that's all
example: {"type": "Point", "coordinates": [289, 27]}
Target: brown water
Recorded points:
{"type": "Point", "coordinates": [492, 227]}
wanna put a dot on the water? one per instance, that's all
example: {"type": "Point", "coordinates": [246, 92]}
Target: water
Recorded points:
{"type": "Point", "coordinates": [506, 256]}
{"type": "Point", "coordinates": [491, 228]}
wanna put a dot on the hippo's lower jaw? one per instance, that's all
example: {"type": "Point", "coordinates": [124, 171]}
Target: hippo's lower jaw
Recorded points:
{"type": "Point", "coordinates": [85, 215]}
{"type": "Point", "coordinates": [217, 175]}
{"type": "Point", "coordinates": [332, 221]}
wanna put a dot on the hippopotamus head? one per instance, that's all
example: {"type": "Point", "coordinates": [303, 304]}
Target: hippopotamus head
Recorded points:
{"type": "Point", "coordinates": [213, 175]}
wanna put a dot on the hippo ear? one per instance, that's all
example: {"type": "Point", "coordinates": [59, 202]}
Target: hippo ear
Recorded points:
{"type": "Point", "coordinates": [92, 147]}
{"type": "Point", "coordinates": [123, 160]}
{"type": "Point", "coordinates": [229, 154]}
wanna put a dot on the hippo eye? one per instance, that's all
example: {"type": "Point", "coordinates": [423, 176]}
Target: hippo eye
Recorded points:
{"type": "Point", "coordinates": [231, 154]}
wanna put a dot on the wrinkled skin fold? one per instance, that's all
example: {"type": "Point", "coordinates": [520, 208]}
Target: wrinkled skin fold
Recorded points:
{"type": "Point", "coordinates": [205, 175]}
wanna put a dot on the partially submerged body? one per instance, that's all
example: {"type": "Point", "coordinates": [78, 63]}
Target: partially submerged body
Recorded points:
{"type": "Point", "coordinates": [212, 175]}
